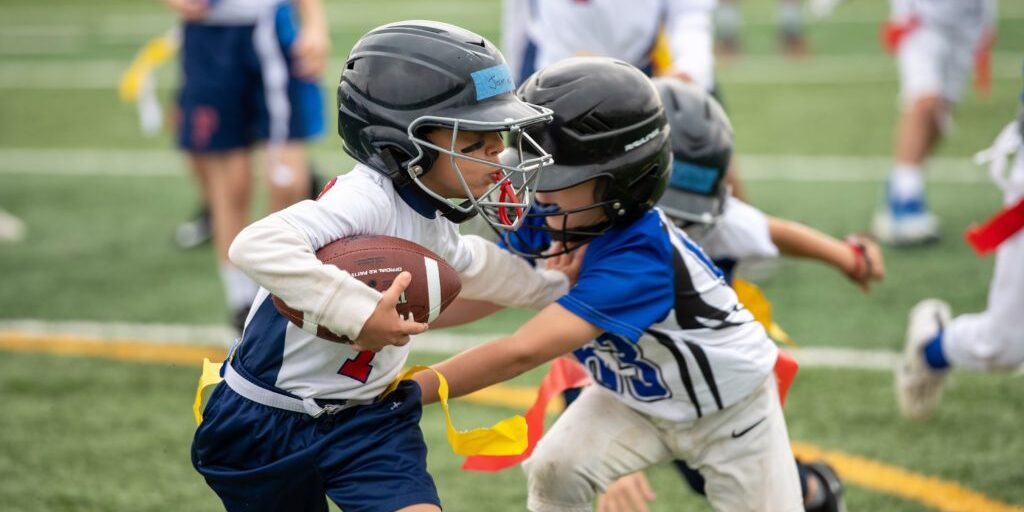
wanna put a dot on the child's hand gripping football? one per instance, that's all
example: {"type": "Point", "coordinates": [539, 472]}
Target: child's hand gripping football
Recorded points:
{"type": "Point", "coordinates": [385, 326]}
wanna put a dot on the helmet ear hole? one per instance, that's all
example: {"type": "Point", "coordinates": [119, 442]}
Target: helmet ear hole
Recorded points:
{"type": "Point", "coordinates": [396, 151]}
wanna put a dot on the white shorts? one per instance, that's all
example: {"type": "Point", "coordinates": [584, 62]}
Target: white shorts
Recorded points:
{"type": "Point", "coordinates": [994, 338]}
{"type": "Point", "coordinates": [937, 60]}
{"type": "Point", "coordinates": [742, 451]}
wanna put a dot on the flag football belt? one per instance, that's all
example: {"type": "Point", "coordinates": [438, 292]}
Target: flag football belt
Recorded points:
{"type": "Point", "coordinates": [506, 437]}
{"type": "Point", "coordinates": [264, 396]}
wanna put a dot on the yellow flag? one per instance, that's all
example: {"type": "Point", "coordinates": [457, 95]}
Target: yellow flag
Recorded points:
{"type": "Point", "coordinates": [155, 52]}
{"type": "Point", "coordinates": [755, 302]}
{"type": "Point", "coordinates": [507, 437]}
{"type": "Point", "coordinates": [210, 377]}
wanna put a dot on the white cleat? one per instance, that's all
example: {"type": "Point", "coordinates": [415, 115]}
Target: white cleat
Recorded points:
{"type": "Point", "coordinates": [12, 229]}
{"type": "Point", "coordinates": [918, 386]}
{"type": "Point", "coordinates": [905, 229]}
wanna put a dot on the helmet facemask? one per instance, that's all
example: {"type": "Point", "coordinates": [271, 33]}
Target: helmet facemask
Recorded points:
{"type": "Point", "coordinates": [504, 204]}
{"type": "Point", "coordinates": [569, 238]}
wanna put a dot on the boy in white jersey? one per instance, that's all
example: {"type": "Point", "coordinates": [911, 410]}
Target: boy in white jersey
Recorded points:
{"type": "Point", "coordinates": [422, 106]}
{"type": "Point", "coordinates": [682, 368]}
{"type": "Point", "coordinates": [733, 233]}
{"type": "Point", "coordinates": [935, 42]}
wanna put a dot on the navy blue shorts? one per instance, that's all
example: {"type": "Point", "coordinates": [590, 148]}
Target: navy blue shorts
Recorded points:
{"type": "Point", "coordinates": [225, 102]}
{"type": "Point", "coordinates": [369, 458]}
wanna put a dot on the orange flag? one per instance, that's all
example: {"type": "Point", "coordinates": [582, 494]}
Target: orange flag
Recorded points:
{"type": "Point", "coordinates": [564, 374]}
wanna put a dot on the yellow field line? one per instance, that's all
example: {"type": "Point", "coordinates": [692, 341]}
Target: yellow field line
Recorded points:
{"type": "Point", "coordinates": [126, 350]}
{"type": "Point", "coordinates": [942, 495]}
{"type": "Point", "coordinates": [883, 478]}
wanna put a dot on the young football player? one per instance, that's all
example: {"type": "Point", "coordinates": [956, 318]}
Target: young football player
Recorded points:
{"type": "Point", "coordinates": [935, 42]}
{"type": "Point", "coordinates": [682, 369]}
{"type": "Point", "coordinates": [990, 340]}
{"type": "Point", "coordinates": [731, 233]}
{"type": "Point", "coordinates": [423, 107]}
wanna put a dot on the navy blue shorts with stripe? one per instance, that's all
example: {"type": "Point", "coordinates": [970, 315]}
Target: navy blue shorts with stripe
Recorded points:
{"type": "Point", "coordinates": [369, 458]}
{"type": "Point", "coordinates": [225, 103]}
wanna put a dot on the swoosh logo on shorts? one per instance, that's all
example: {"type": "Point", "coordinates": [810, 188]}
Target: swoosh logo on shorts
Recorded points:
{"type": "Point", "coordinates": [748, 429]}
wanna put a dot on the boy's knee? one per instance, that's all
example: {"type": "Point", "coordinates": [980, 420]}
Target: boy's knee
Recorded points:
{"type": "Point", "coordinates": [554, 479]}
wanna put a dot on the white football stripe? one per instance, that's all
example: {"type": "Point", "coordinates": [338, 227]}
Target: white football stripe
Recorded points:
{"type": "Point", "coordinates": [433, 289]}
{"type": "Point", "coordinates": [308, 325]}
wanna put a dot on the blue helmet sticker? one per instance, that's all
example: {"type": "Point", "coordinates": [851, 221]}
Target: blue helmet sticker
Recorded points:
{"type": "Point", "coordinates": [493, 81]}
{"type": "Point", "coordinates": [694, 178]}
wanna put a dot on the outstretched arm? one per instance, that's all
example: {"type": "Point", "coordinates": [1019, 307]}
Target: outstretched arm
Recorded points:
{"type": "Point", "coordinates": [554, 331]}
{"type": "Point", "coordinates": [465, 311]}
{"type": "Point", "coordinates": [858, 258]}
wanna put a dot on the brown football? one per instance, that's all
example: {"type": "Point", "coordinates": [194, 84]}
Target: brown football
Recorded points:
{"type": "Point", "coordinates": [376, 260]}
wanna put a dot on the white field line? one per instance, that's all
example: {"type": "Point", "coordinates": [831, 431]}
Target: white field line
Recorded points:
{"type": "Point", "coordinates": [439, 343]}
{"type": "Point", "coordinates": [78, 73]}
{"type": "Point", "coordinates": [166, 163]}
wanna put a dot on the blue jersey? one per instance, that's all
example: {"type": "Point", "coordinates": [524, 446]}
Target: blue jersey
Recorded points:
{"type": "Point", "coordinates": [677, 343]}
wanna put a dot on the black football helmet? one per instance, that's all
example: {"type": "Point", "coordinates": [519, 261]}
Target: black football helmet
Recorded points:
{"type": "Point", "coordinates": [701, 149]}
{"type": "Point", "coordinates": [609, 126]}
{"type": "Point", "coordinates": [403, 79]}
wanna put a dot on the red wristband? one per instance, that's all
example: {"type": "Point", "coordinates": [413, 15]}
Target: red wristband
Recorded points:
{"type": "Point", "coordinates": [861, 263]}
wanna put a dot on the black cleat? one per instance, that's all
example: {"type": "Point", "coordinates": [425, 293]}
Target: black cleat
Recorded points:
{"type": "Point", "coordinates": [830, 485]}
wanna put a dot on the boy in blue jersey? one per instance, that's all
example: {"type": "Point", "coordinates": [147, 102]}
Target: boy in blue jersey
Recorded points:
{"type": "Point", "coordinates": [733, 234]}
{"type": "Point", "coordinates": [682, 369]}
{"type": "Point", "coordinates": [422, 107]}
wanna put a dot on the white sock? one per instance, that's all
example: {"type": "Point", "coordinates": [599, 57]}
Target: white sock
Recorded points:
{"type": "Point", "coordinates": [239, 289]}
{"type": "Point", "coordinates": [906, 182]}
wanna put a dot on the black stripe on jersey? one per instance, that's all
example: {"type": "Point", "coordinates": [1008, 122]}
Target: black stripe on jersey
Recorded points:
{"type": "Point", "coordinates": [684, 371]}
{"type": "Point", "coordinates": [689, 306]}
{"type": "Point", "coordinates": [705, 370]}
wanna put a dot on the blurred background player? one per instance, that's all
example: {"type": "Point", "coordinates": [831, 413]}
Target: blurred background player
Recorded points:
{"type": "Point", "coordinates": [660, 37]}
{"type": "Point", "coordinates": [732, 233]}
{"type": "Point", "coordinates": [789, 18]}
{"type": "Point", "coordinates": [994, 338]}
{"type": "Point", "coordinates": [249, 76]}
{"type": "Point", "coordinates": [935, 42]}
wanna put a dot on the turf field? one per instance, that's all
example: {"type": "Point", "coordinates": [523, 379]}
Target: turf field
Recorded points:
{"type": "Point", "coordinates": [100, 201]}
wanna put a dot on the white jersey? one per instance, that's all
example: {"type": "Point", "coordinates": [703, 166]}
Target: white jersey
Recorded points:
{"type": "Point", "coordinates": [240, 12]}
{"type": "Point", "coordinates": [947, 13]}
{"type": "Point", "coordinates": [559, 29]}
{"type": "Point", "coordinates": [740, 234]}
{"type": "Point", "coordinates": [278, 253]}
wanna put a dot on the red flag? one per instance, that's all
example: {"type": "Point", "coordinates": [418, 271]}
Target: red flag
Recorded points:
{"type": "Point", "coordinates": [785, 371]}
{"type": "Point", "coordinates": [983, 64]}
{"type": "Point", "coordinates": [893, 32]}
{"type": "Point", "coordinates": [563, 374]}
{"type": "Point", "coordinates": [1006, 223]}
